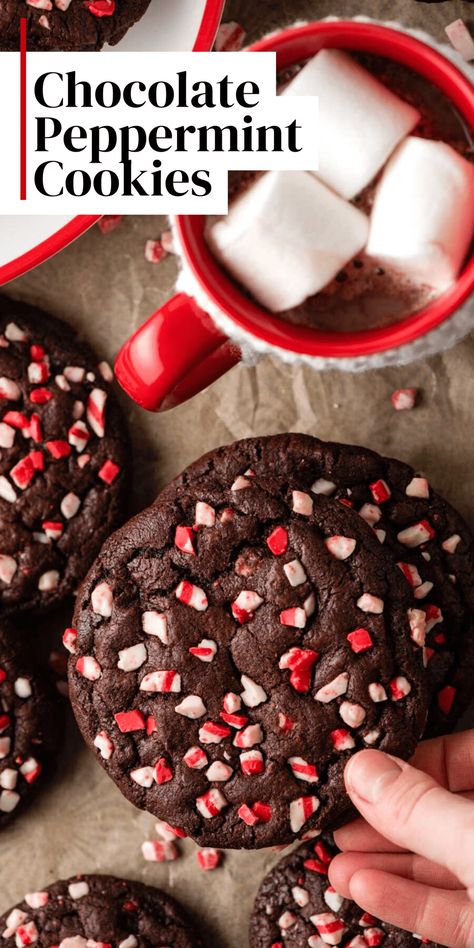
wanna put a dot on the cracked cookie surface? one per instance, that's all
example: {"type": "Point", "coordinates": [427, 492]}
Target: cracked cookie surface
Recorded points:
{"type": "Point", "coordinates": [68, 24]}
{"type": "Point", "coordinates": [233, 645]}
{"type": "Point", "coordinates": [91, 910]}
{"type": "Point", "coordinates": [296, 907]}
{"type": "Point", "coordinates": [437, 559]}
{"type": "Point", "coordinates": [64, 458]}
{"type": "Point", "coordinates": [29, 729]}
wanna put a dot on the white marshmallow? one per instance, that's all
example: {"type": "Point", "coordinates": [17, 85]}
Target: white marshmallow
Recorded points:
{"type": "Point", "coordinates": [286, 237]}
{"type": "Point", "coordinates": [423, 216]}
{"type": "Point", "coordinates": [361, 122]}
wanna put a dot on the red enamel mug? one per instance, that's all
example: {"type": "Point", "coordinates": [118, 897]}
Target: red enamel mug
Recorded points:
{"type": "Point", "coordinates": [179, 350]}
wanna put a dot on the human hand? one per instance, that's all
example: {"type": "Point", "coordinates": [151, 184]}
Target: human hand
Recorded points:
{"type": "Point", "coordinates": [410, 862]}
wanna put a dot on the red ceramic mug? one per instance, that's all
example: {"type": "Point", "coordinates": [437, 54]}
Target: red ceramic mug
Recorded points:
{"type": "Point", "coordinates": [179, 350]}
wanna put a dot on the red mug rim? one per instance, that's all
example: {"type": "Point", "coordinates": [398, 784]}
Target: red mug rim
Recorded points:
{"type": "Point", "coordinates": [293, 45]}
{"type": "Point", "coordinates": [210, 22]}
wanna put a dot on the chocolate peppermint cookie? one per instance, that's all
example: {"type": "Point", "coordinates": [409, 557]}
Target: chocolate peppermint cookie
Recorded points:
{"type": "Point", "coordinates": [98, 910]}
{"type": "Point", "coordinates": [296, 907]}
{"type": "Point", "coordinates": [28, 728]}
{"type": "Point", "coordinates": [233, 645]}
{"type": "Point", "coordinates": [429, 540]}
{"type": "Point", "coordinates": [68, 24]}
{"type": "Point", "coordinates": [64, 458]}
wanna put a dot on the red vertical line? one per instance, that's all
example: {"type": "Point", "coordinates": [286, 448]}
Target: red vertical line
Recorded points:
{"type": "Point", "coordinates": [23, 97]}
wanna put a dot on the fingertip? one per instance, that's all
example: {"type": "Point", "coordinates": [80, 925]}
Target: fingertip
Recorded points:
{"type": "Point", "coordinates": [362, 886]}
{"type": "Point", "coordinates": [340, 874]}
{"type": "Point", "coordinates": [368, 773]}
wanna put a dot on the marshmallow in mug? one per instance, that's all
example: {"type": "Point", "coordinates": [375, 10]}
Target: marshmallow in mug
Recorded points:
{"type": "Point", "coordinates": [361, 122]}
{"type": "Point", "coordinates": [423, 215]}
{"type": "Point", "coordinates": [286, 237]}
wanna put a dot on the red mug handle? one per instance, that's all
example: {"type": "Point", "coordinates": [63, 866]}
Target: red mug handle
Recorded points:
{"type": "Point", "coordinates": [174, 355]}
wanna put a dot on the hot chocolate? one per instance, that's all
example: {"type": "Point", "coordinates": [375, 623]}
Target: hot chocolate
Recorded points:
{"type": "Point", "coordinates": [368, 292]}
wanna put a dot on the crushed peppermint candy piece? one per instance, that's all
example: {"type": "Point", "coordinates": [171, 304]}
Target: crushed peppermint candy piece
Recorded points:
{"type": "Point", "coordinates": [334, 689]}
{"type": "Point", "coordinates": [192, 596]}
{"type": "Point", "coordinates": [460, 37]}
{"type": "Point", "coordinates": [417, 534]}
{"type": "Point", "coordinates": [210, 804]}
{"type": "Point", "coordinates": [301, 810]}
{"type": "Point", "coordinates": [404, 399]}
{"type": "Point", "coordinates": [340, 547]}
{"type": "Point", "coordinates": [209, 859]}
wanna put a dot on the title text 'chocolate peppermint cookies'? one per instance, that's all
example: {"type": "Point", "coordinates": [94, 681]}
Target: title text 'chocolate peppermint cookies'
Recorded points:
{"type": "Point", "coordinates": [28, 728]}
{"type": "Point", "coordinates": [64, 458]}
{"type": "Point", "coordinates": [296, 907]}
{"type": "Point", "coordinates": [68, 24]}
{"type": "Point", "coordinates": [88, 911]}
{"type": "Point", "coordinates": [430, 541]}
{"type": "Point", "coordinates": [233, 645]}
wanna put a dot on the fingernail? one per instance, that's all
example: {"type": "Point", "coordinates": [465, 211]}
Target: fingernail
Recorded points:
{"type": "Point", "coordinates": [369, 773]}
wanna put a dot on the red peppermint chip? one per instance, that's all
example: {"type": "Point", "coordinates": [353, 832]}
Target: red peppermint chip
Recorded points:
{"type": "Point", "coordinates": [278, 541]}
{"type": "Point", "coordinates": [100, 8]}
{"type": "Point", "coordinates": [130, 721]}
{"type": "Point", "coordinates": [360, 640]}
{"type": "Point", "coordinates": [109, 472]}
{"type": "Point", "coordinates": [446, 698]}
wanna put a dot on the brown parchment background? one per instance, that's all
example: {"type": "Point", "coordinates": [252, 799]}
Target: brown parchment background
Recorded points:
{"type": "Point", "coordinates": [103, 286]}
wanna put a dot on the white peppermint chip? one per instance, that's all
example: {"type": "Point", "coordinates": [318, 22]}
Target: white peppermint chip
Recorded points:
{"type": "Point", "coordinates": [77, 890]}
{"type": "Point", "coordinates": [104, 745]}
{"type": "Point", "coordinates": [5, 747]}
{"type": "Point", "coordinates": [295, 573]}
{"type": "Point", "coordinates": [102, 600]}
{"type": "Point", "coordinates": [369, 603]}
{"type": "Point", "coordinates": [219, 772]}
{"type": "Point", "coordinates": [324, 487]}
{"type": "Point", "coordinates": [191, 707]}
{"type": "Point", "coordinates": [7, 435]}
{"type": "Point", "coordinates": [70, 505]}
{"type": "Point", "coordinates": [253, 694]}
{"type": "Point", "coordinates": [335, 688]}
{"type": "Point", "coordinates": [49, 581]}
{"type": "Point", "coordinates": [8, 568]}
{"type": "Point", "coordinates": [300, 895]}
{"type": "Point", "coordinates": [418, 487]}
{"type": "Point", "coordinates": [74, 373]}
{"type": "Point", "coordinates": [377, 692]}
{"type": "Point", "coordinates": [9, 390]}
{"type": "Point", "coordinates": [8, 801]}
{"type": "Point", "coordinates": [8, 778]}
{"type": "Point", "coordinates": [22, 688]}
{"type": "Point", "coordinates": [332, 899]}
{"type": "Point", "coordinates": [302, 503]}
{"type": "Point", "coordinates": [340, 547]}
{"type": "Point", "coordinates": [132, 658]}
{"type": "Point", "coordinates": [286, 921]}
{"type": "Point", "coordinates": [156, 623]}
{"type": "Point", "coordinates": [14, 334]}
{"type": "Point", "coordinates": [143, 776]}
{"type": "Point", "coordinates": [36, 899]}
{"type": "Point", "coordinates": [352, 714]}
{"type": "Point", "coordinates": [370, 513]}
{"type": "Point", "coordinates": [205, 515]}
{"type": "Point", "coordinates": [7, 492]}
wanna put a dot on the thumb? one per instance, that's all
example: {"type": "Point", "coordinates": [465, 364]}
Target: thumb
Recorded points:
{"type": "Point", "coordinates": [409, 808]}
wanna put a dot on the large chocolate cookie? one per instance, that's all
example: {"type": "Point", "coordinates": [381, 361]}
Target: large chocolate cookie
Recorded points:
{"type": "Point", "coordinates": [430, 541]}
{"type": "Point", "coordinates": [64, 458]}
{"type": "Point", "coordinates": [235, 644]}
{"type": "Point", "coordinates": [68, 24]}
{"type": "Point", "coordinates": [296, 907]}
{"type": "Point", "coordinates": [98, 910]}
{"type": "Point", "coordinates": [28, 728]}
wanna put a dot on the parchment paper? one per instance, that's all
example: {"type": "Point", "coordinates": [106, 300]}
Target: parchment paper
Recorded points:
{"type": "Point", "coordinates": [103, 286]}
